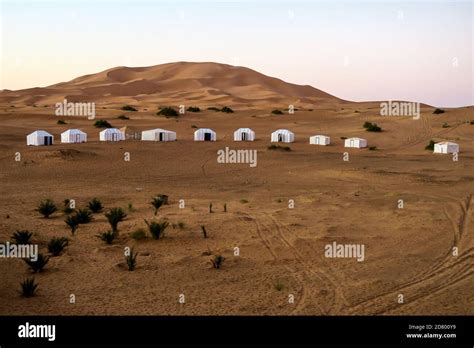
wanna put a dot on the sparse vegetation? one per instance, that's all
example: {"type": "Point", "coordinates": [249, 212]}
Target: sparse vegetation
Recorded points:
{"type": "Point", "coordinates": [430, 146]}
{"type": "Point", "coordinates": [83, 216]}
{"type": "Point", "coordinates": [29, 287]}
{"type": "Point", "coordinates": [438, 111]}
{"type": "Point", "coordinates": [372, 148]}
{"type": "Point", "coordinates": [372, 127]}
{"type": "Point", "coordinates": [194, 109]}
{"type": "Point", "coordinates": [67, 207]}
{"type": "Point", "coordinates": [167, 112]}
{"type": "Point", "coordinates": [72, 222]}
{"type": "Point", "coordinates": [61, 122]}
{"type": "Point", "coordinates": [225, 207]}
{"type": "Point", "coordinates": [22, 237]}
{"type": "Point", "coordinates": [157, 229]}
{"type": "Point", "coordinates": [37, 265]}
{"type": "Point", "coordinates": [194, 126]}
{"type": "Point", "coordinates": [343, 138]}
{"type": "Point", "coordinates": [138, 234]}
{"type": "Point", "coordinates": [210, 208]}
{"type": "Point", "coordinates": [204, 232]}
{"type": "Point", "coordinates": [277, 112]}
{"type": "Point", "coordinates": [47, 208]}
{"type": "Point", "coordinates": [227, 110]}
{"type": "Point", "coordinates": [95, 205]}
{"type": "Point", "coordinates": [217, 261]}
{"type": "Point", "coordinates": [123, 117]}
{"type": "Point", "coordinates": [57, 244]}
{"type": "Point", "coordinates": [131, 260]}
{"type": "Point", "coordinates": [102, 124]}
{"type": "Point", "coordinates": [128, 108]}
{"type": "Point", "coordinates": [279, 147]}
{"type": "Point", "coordinates": [157, 202]}
{"type": "Point", "coordinates": [107, 237]}
{"type": "Point", "coordinates": [114, 216]}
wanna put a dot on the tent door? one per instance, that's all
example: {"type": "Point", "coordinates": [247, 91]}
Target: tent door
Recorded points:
{"type": "Point", "coordinates": [78, 138]}
{"type": "Point", "coordinates": [352, 143]}
{"type": "Point", "coordinates": [114, 136]}
{"type": "Point", "coordinates": [244, 136]}
{"type": "Point", "coordinates": [48, 140]}
{"type": "Point", "coordinates": [162, 136]}
{"type": "Point", "coordinates": [317, 140]}
{"type": "Point", "coordinates": [280, 137]}
{"type": "Point", "coordinates": [207, 136]}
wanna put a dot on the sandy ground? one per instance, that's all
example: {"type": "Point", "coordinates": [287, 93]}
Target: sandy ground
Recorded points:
{"type": "Point", "coordinates": [408, 251]}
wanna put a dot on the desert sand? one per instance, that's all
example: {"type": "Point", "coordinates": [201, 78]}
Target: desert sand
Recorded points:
{"type": "Point", "coordinates": [408, 251]}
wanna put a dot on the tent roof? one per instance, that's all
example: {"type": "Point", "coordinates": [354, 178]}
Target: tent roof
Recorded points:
{"type": "Point", "coordinates": [320, 135]}
{"type": "Point", "coordinates": [446, 143]}
{"type": "Point", "coordinates": [204, 130]}
{"type": "Point", "coordinates": [160, 130]}
{"type": "Point", "coordinates": [111, 130]}
{"type": "Point", "coordinates": [355, 138]}
{"type": "Point", "coordinates": [41, 133]}
{"type": "Point", "coordinates": [282, 131]}
{"type": "Point", "coordinates": [73, 131]}
{"type": "Point", "coordinates": [244, 130]}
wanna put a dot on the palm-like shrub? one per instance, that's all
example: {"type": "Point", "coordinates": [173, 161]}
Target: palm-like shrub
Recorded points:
{"type": "Point", "coordinates": [67, 207]}
{"type": "Point", "coordinates": [102, 124]}
{"type": "Point", "coordinates": [28, 287]}
{"type": "Point", "coordinates": [72, 222]}
{"type": "Point", "coordinates": [168, 112]}
{"type": "Point", "coordinates": [39, 264]}
{"type": "Point", "coordinates": [217, 261]}
{"type": "Point", "coordinates": [57, 244]}
{"type": "Point", "coordinates": [95, 205]}
{"type": "Point", "coordinates": [22, 237]}
{"type": "Point", "coordinates": [114, 216]}
{"type": "Point", "coordinates": [47, 208]}
{"type": "Point", "coordinates": [157, 229]}
{"type": "Point", "coordinates": [107, 237]}
{"type": "Point", "coordinates": [157, 202]}
{"type": "Point", "coordinates": [226, 109]}
{"type": "Point", "coordinates": [131, 260]}
{"type": "Point", "coordinates": [83, 216]}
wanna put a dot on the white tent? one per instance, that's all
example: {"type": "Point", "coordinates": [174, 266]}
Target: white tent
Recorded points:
{"type": "Point", "coordinates": [355, 142]}
{"type": "Point", "coordinates": [446, 147]}
{"type": "Point", "coordinates": [282, 136]}
{"type": "Point", "coordinates": [73, 136]}
{"type": "Point", "coordinates": [39, 138]}
{"type": "Point", "coordinates": [158, 134]}
{"type": "Point", "coordinates": [204, 134]}
{"type": "Point", "coordinates": [111, 134]}
{"type": "Point", "coordinates": [244, 134]}
{"type": "Point", "coordinates": [320, 140]}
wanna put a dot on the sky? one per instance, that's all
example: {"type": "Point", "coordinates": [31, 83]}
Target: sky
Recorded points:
{"type": "Point", "coordinates": [357, 50]}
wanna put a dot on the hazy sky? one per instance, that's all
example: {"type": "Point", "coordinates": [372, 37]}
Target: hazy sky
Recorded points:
{"type": "Point", "coordinates": [356, 50]}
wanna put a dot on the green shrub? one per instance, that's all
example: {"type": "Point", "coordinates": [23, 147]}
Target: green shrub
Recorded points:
{"type": "Point", "coordinates": [217, 261]}
{"type": "Point", "coordinates": [22, 237]}
{"type": "Point", "coordinates": [47, 208]}
{"type": "Point", "coordinates": [168, 112]}
{"type": "Point", "coordinates": [194, 109]}
{"type": "Point", "coordinates": [277, 112]}
{"type": "Point", "coordinates": [278, 147]}
{"type": "Point", "coordinates": [157, 229]}
{"type": "Point", "coordinates": [72, 222]}
{"type": "Point", "coordinates": [157, 202]}
{"type": "Point", "coordinates": [83, 216]}
{"type": "Point", "coordinates": [95, 205]}
{"type": "Point", "coordinates": [39, 264]}
{"type": "Point", "coordinates": [438, 111]}
{"type": "Point", "coordinates": [28, 287]}
{"type": "Point", "coordinates": [102, 124]}
{"type": "Point", "coordinates": [430, 146]}
{"type": "Point", "coordinates": [372, 127]}
{"type": "Point", "coordinates": [213, 108]}
{"type": "Point", "coordinates": [123, 117]}
{"type": "Point", "coordinates": [56, 245]}
{"type": "Point", "coordinates": [107, 237]}
{"type": "Point", "coordinates": [139, 234]}
{"type": "Point", "coordinates": [131, 260]}
{"type": "Point", "coordinates": [128, 108]}
{"type": "Point", "coordinates": [114, 216]}
{"type": "Point", "coordinates": [61, 122]}
{"type": "Point", "coordinates": [227, 110]}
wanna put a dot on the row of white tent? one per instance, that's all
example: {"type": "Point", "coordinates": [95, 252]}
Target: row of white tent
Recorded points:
{"type": "Point", "coordinates": [41, 137]}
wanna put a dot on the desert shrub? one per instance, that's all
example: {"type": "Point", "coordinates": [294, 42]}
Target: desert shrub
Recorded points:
{"type": "Point", "coordinates": [168, 112]}
{"type": "Point", "coordinates": [217, 261]}
{"type": "Point", "coordinates": [123, 117]}
{"type": "Point", "coordinates": [38, 264]}
{"type": "Point", "coordinates": [102, 124]}
{"type": "Point", "coordinates": [157, 202]}
{"type": "Point", "coordinates": [279, 147]}
{"type": "Point", "coordinates": [194, 126]}
{"type": "Point", "coordinates": [430, 146]}
{"type": "Point", "coordinates": [114, 216]}
{"type": "Point", "coordinates": [95, 205]}
{"type": "Point", "coordinates": [22, 237]}
{"type": "Point", "coordinates": [244, 201]}
{"type": "Point", "coordinates": [210, 208]}
{"type": "Point", "coordinates": [67, 207]}
{"type": "Point", "coordinates": [128, 108]}
{"type": "Point", "coordinates": [343, 138]}
{"type": "Point", "coordinates": [277, 112]}
{"type": "Point", "coordinates": [204, 232]}
{"type": "Point", "coordinates": [83, 216]}
{"type": "Point", "coordinates": [107, 237]}
{"type": "Point", "coordinates": [366, 124]}
{"type": "Point", "coordinates": [372, 127]}
{"type": "Point", "coordinates": [438, 111]}
{"type": "Point", "coordinates": [213, 108]}
{"type": "Point", "coordinates": [446, 125]}
{"type": "Point", "coordinates": [47, 208]}
{"type": "Point", "coordinates": [472, 122]}
{"type": "Point", "coordinates": [72, 223]}
{"type": "Point", "coordinates": [225, 207]}
{"type": "Point", "coordinates": [194, 109]}
{"type": "Point", "coordinates": [138, 234]}
{"type": "Point", "coordinates": [131, 260]}
{"type": "Point", "coordinates": [157, 229]}
{"type": "Point", "coordinates": [57, 244]}
{"type": "Point", "coordinates": [61, 122]}
{"type": "Point", "coordinates": [372, 148]}
{"type": "Point", "coordinates": [28, 287]}
{"type": "Point", "coordinates": [227, 110]}
{"type": "Point", "coordinates": [181, 225]}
